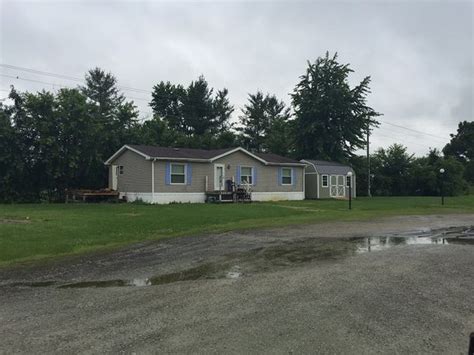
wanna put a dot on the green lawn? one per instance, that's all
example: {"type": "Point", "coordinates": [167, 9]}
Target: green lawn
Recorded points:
{"type": "Point", "coordinates": [33, 232]}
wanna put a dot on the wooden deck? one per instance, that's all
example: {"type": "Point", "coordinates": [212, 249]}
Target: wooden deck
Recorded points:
{"type": "Point", "coordinates": [91, 195]}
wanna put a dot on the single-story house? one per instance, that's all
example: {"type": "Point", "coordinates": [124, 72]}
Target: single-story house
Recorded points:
{"type": "Point", "coordinates": [163, 175]}
{"type": "Point", "coordinates": [327, 179]}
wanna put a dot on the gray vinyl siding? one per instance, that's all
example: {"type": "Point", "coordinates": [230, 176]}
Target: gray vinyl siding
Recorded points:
{"type": "Point", "coordinates": [198, 177]}
{"type": "Point", "coordinates": [324, 191]}
{"type": "Point", "coordinates": [267, 175]}
{"type": "Point", "coordinates": [136, 175]}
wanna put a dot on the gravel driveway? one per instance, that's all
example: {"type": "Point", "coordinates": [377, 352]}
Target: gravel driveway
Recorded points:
{"type": "Point", "coordinates": [306, 289]}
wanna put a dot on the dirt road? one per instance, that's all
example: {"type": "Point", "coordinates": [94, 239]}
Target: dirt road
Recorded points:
{"type": "Point", "coordinates": [353, 287]}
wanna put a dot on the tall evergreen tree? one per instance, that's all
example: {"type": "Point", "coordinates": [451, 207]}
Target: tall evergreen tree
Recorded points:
{"type": "Point", "coordinates": [264, 124]}
{"type": "Point", "coordinates": [332, 118]}
{"type": "Point", "coordinates": [113, 117]}
{"type": "Point", "coordinates": [195, 112]}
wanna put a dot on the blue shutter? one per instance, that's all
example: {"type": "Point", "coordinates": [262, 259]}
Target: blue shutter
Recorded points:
{"type": "Point", "coordinates": [168, 173]}
{"type": "Point", "coordinates": [189, 174]}
{"type": "Point", "coordinates": [293, 177]}
{"type": "Point", "coordinates": [254, 177]}
{"type": "Point", "coordinates": [238, 175]}
{"type": "Point", "coordinates": [279, 176]}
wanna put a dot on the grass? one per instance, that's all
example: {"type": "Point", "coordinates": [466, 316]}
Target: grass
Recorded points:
{"type": "Point", "coordinates": [42, 231]}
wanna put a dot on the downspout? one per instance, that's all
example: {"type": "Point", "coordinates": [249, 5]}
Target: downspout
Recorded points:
{"type": "Point", "coordinates": [317, 186]}
{"type": "Point", "coordinates": [304, 183]}
{"type": "Point", "coordinates": [153, 181]}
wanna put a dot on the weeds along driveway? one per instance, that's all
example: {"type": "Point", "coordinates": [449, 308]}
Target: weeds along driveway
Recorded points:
{"type": "Point", "coordinates": [275, 291]}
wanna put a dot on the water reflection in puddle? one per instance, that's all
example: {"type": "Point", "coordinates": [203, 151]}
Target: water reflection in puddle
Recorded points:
{"type": "Point", "coordinates": [381, 243]}
{"type": "Point", "coordinates": [282, 255]}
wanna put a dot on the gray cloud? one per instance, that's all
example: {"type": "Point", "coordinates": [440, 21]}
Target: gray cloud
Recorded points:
{"type": "Point", "coordinates": [419, 54]}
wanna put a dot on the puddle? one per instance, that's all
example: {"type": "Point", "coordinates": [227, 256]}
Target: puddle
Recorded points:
{"type": "Point", "coordinates": [205, 271]}
{"type": "Point", "coordinates": [286, 254]}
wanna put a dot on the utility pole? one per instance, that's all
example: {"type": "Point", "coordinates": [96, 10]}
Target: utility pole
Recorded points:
{"type": "Point", "coordinates": [368, 162]}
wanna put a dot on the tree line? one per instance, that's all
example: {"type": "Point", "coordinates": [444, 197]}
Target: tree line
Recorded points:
{"type": "Point", "coordinates": [52, 141]}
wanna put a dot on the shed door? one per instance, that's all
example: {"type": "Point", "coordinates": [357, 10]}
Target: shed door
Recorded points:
{"type": "Point", "coordinates": [337, 186]}
{"type": "Point", "coordinates": [333, 186]}
{"type": "Point", "coordinates": [340, 186]}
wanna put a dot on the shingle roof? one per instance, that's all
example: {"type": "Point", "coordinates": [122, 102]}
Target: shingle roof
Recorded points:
{"type": "Point", "coordinates": [205, 154]}
{"type": "Point", "coordinates": [183, 153]}
{"type": "Point", "coordinates": [330, 167]}
{"type": "Point", "coordinates": [276, 159]}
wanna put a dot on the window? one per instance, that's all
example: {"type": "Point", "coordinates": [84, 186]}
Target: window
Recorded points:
{"type": "Point", "coordinates": [178, 173]}
{"type": "Point", "coordinates": [286, 176]}
{"type": "Point", "coordinates": [348, 181]}
{"type": "Point", "coordinates": [246, 175]}
{"type": "Point", "coordinates": [325, 180]}
{"type": "Point", "coordinates": [121, 169]}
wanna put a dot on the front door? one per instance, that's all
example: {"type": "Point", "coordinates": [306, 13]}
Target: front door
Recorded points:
{"type": "Point", "coordinates": [114, 169]}
{"type": "Point", "coordinates": [219, 177]}
{"type": "Point", "coordinates": [337, 186]}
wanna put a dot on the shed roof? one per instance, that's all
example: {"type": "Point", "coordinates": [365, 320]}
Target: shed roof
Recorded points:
{"type": "Point", "coordinates": [329, 167]}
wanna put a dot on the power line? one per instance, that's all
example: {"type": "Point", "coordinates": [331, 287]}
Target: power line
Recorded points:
{"type": "Point", "coordinates": [411, 135]}
{"type": "Point", "coordinates": [404, 141]}
{"type": "Point", "coordinates": [67, 77]}
{"type": "Point", "coordinates": [60, 85]}
{"type": "Point", "coordinates": [32, 80]}
{"type": "Point", "coordinates": [414, 130]}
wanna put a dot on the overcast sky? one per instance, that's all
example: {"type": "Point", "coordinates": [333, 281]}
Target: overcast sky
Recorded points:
{"type": "Point", "coordinates": [418, 53]}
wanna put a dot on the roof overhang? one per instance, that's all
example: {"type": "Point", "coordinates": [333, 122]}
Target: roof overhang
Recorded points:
{"type": "Point", "coordinates": [309, 163]}
{"type": "Point", "coordinates": [245, 151]}
{"type": "Point", "coordinates": [121, 150]}
{"type": "Point", "coordinates": [210, 160]}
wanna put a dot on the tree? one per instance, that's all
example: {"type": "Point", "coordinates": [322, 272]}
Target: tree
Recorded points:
{"type": "Point", "coordinates": [391, 169]}
{"type": "Point", "coordinates": [461, 147]}
{"type": "Point", "coordinates": [194, 112]}
{"type": "Point", "coordinates": [114, 120]}
{"type": "Point", "coordinates": [264, 124]}
{"type": "Point", "coordinates": [331, 118]}
{"type": "Point", "coordinates": [11, 162]}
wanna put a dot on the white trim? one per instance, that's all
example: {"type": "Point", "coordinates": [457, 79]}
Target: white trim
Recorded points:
{"type": "Point", "coordinates": [309, 163]}
{"type": "Point", "coordinates": [166, 197]}
{"type": "Point", "coordinates": [221, 187]}
{"type": "Point", "coordinates": [152, 176]}
{"type": "Point", "coordinates": [114, 173]}
{"type": "Point", "coordinates": [322, 180]}
{"type": "Point", "coordinates": [200, 197]}
{"type": "Point", "coordinates": [291, 176]}
{"type": "Point", "coordinates": [277, 196]}
{"type": "Point", "coordinates": [118, 152]}
{"type": "Point", "coordinates": [251, 174]}
{"type": "Point", "coordinates": [237, 150]}
{"type": "Point", "coordinates": [304, 184]}
{"type": "Point", "coordinates": [317, 186]}
{"type": "Point", "coordinates": [185, 174]}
